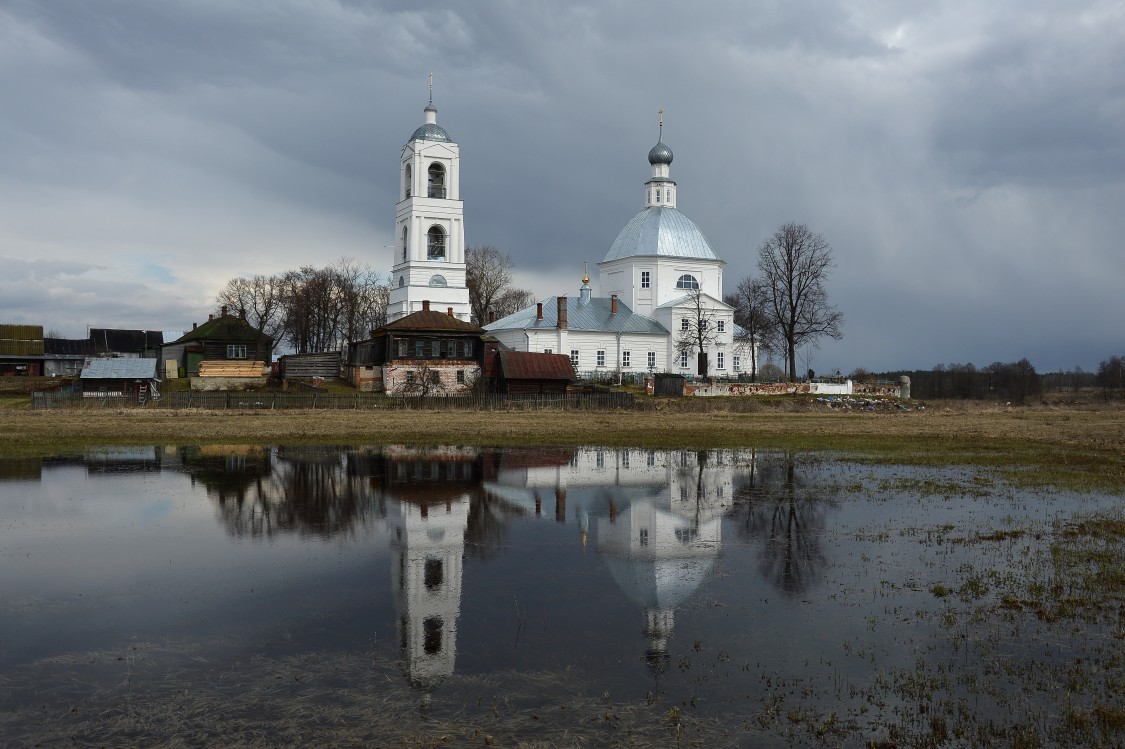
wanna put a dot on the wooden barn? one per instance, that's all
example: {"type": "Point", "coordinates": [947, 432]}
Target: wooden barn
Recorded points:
{"type": "Point", "coordinates": [120, 378]}
{"type": "Point", "coordinates": [223, 338]}
{"type": "Point", "coordinates": [532, 372]}
{"type": "Point", "coordinates": [324, 366]}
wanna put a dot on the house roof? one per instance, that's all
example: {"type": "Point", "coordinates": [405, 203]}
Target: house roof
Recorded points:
{"type": "Point", "coordinates": [531, 365]}
{"type": "Point", "coordinates": [119, 369]}
{"type": "Point", "coordinates": [125, 341]}
{"type": "Point", "coordinates": [431, 321]}
{"type": "Point", "coordinates": [224, 328]}
{"type": "Point", "coordinates": [594, 314]}
{"type": "Point", "coordinates": [68, 346]}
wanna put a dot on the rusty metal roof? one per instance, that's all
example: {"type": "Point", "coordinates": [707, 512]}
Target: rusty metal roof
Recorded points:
{"type": "Point", "coordinates": [531, 365]}
{"type": "Point", "coordinates": [431, 320]}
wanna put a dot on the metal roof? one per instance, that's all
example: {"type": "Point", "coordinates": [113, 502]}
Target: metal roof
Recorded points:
{"type": "Point", "coordinates": [531, 365]}
{"type": "Point", "coordinates": [660, 154]}
{"type": "Point", "coordinates": [660, 231]}
{"type": "Point", "coordinates": [431, 131]}
{"type": "Point", "coordinates": [119, 369]}
{"type": "Point", "coordinates": [594, 315]}
{"type": "Point", "coordinates": [431, 320]}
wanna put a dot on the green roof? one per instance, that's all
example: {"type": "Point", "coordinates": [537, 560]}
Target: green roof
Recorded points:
{"type": "Point", "coordinates": [224, 328]}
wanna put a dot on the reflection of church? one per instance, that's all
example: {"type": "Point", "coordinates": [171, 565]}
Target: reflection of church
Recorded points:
{"type": "Point", "coordinates": [432, 492]}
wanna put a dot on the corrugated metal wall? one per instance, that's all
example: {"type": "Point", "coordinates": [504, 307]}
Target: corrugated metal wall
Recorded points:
{"type": "Point", "coordinates": [21, 340]}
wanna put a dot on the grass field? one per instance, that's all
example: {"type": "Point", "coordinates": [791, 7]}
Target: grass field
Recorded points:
{"type": "Point", "coordinates": [1078, 446]}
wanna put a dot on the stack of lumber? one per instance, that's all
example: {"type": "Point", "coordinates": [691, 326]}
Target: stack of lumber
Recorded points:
{"type": "Point", "coordinates": [231, 368]}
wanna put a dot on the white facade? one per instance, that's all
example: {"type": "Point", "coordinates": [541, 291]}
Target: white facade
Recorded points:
{"type": "Point", "coordinates": [664, 277]}
{"type": "Point", "coordinates": [429, 250]}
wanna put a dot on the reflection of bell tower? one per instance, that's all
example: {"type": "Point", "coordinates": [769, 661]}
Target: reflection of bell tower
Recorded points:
{"type": "Point", "coordinates": [426, 577]}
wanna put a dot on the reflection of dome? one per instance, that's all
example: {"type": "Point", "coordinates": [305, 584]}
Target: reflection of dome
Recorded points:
{"type": "Point", "coordinates": [663, 231]}
{"type": "Point", "coordinates": [659, 583]}
{"type": "Point", "coordinates": [660, 154]}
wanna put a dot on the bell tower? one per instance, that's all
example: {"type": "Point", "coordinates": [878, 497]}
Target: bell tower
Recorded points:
{"type": "Point", "coordinates": [429, 250]}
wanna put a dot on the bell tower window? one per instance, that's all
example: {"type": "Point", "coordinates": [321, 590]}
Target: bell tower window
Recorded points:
{"type": "Point", "coordinates": [435, 243]}
{"type": "Point", "coordinates": [436, 181]}
{"type": "Point", "coordinates": [409, 177]}
{"type": "Point", "coordinates": [405, 244]}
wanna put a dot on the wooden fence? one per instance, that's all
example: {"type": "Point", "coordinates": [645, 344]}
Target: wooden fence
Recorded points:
{"type": "Point", "coordinates": [357, 401]}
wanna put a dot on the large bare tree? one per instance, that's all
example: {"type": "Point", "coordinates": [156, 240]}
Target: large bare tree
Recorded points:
{"type": "Point", "coordinates": [259, 299]}
{"type": "Point", "coordinates": [794, 263]}
{"type": "Point", "coordinates": [698, 330]}
{"type": "Point", "coordinates": [488, 274]}
{"type": "Point", "coordinates": [753, 316]}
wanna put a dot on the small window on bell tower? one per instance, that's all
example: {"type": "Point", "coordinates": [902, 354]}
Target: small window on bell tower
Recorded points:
{"type": "Point", "coordinates": [409, 176]}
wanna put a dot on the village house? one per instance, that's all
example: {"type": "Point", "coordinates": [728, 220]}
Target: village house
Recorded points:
{"type": "Point", "coordinates": [424, 353]}
{"type": "Point", "coordinates": [223, 338]}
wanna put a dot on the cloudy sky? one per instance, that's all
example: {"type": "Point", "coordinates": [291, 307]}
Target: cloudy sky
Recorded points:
{"type": "Point", "coordinates": [965, 160]}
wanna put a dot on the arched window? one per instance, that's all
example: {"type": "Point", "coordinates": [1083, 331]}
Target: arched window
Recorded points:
{"type": "Point", "coordinates": [437, 280]}
{"type": "Point", "coordinates": [405, 245]}
{"type": "Point", "coordinates": [435, 243]}
{"type": "Point", "coordinates": [401, 281]}
{"type": "Point", "coordinates": [409, 178]}
{"type": "Point", "coordinates": [687, 281]}
{"type": "Point", "coordinates": [437, 181]}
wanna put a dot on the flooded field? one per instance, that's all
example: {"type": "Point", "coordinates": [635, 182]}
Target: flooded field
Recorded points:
{"type": "Point", "coordinates": [393, 596]}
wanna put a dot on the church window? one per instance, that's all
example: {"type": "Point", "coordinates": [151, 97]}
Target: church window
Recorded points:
{"type": "Point", "coordinates": [684, 323]}
{"type": "Point", "coordinates": [643, 537]}
{"type": "Point", "coordinates": [437, 181]}
{"type": "Point", "coordinates": [687, 281]}
{"type": "Point", "coordinates": [409, 175]}
{"type": "Point", "coordinates": [683, 358]}
{"type": "Point", "coordinates": [601, 357]}
{"type": "Point", "coordinates": [625, 355]}
{"type": "Point", "coordinates": [574, 358]}
{"type": "Point", "coordinates": [720, 361]}
{"type": "Point", "coordinates": [401, 281]}
{"type": "Point", "coordinates": [548, 351]}
{"type": "Point", "coordinates": [405, 244]}
{"type": "Point", "coordinates": [433, 574]}
{"type": "Point", "coordinates": [658, 196]}
{"type": "Point", "coordinates": [435, 243]}
{"type": "Point", "coordinates": [437, 280]}
{"type": "Point", "coordinates": [431, 631]}
{"type": "Point", "coordinates": [645, 279]}
{"type": "Point", "coordinates": [737, 363]}
{"type": "Point", "coordinates": [721, 325]}
{"type": "Point", "coordinates": [652, 360]}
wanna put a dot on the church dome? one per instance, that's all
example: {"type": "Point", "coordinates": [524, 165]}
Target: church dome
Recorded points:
{"type": "Point", "coordinates": [661, 231]}
{"type": "Point", "coordinates": [431, 131]}
{"type": "Point", "coordinates": [660, 154]}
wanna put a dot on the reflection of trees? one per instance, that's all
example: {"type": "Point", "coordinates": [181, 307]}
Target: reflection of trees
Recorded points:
{"type": "Point", "coordinates": [787, 517]}
{"type": "Point", "coordinates": [307, 492]}
{"type": "Point", "coordinates": [488, 524]}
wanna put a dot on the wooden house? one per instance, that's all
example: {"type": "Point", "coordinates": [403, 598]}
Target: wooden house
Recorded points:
{"type": "Point", "coordinates": [424, 353]}
{"type": "Point", "coordinates": [120, 378]}
{"type": "Point", "coordinates": [226, 337]}
{"type": "Point", "coordinates": [533, 372]}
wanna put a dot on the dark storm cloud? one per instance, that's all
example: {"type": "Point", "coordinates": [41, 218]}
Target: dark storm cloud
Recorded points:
{"type": "Point", "coordinates": [964, 161]}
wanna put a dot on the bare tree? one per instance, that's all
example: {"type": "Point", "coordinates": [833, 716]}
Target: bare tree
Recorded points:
{"type": "Point", "coordinates": [258, 298]}
{"type": "Point", "coordinates": [752, 314]}
{"type": "Point", "coordinates": [794, 263]}
{"type": "Point", "coordinates": [509, 301]}
{"type": "Point", "coordinates": [488, 274]}
{"type": "Point", "coordinates": [697, 330]}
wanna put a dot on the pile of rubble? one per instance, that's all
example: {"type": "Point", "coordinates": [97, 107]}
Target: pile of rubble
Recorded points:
{"type": "Point", "coordinates": [853, 403]}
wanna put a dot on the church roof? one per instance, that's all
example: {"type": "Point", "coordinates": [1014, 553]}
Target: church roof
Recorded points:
{"type": "Point", "coordinates": [595, 315]}
{"type": "Point", "coordinates": [661, 231]}
{"type": "Point", "coordinates": [431, 131]}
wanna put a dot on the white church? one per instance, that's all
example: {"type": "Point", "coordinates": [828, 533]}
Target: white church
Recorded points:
{"type": "Point", "coordinates": [660, 280]}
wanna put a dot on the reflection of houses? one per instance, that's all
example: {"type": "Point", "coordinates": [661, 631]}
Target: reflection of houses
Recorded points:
{"type": "Point", "coordinates": [426, 352]}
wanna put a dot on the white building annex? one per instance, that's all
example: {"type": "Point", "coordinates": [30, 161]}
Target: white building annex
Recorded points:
{"type": "Point", "coordinates": [659, 280]}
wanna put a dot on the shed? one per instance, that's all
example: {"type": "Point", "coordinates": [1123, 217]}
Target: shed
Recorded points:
{"type": "Point", "coordinates": [532, 372]}
{"type": "Point", "coordinates": [324, 365]}
{"type": "Point", "coordinates": [120, 378]}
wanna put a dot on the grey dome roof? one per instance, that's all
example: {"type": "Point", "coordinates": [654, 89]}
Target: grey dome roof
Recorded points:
{"type": "Point", "coordinates": [662, 231]}
{"type": "Point", "coordinates": [431, 131]}
{"type": "Point", "coordinates": [660, 154]}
